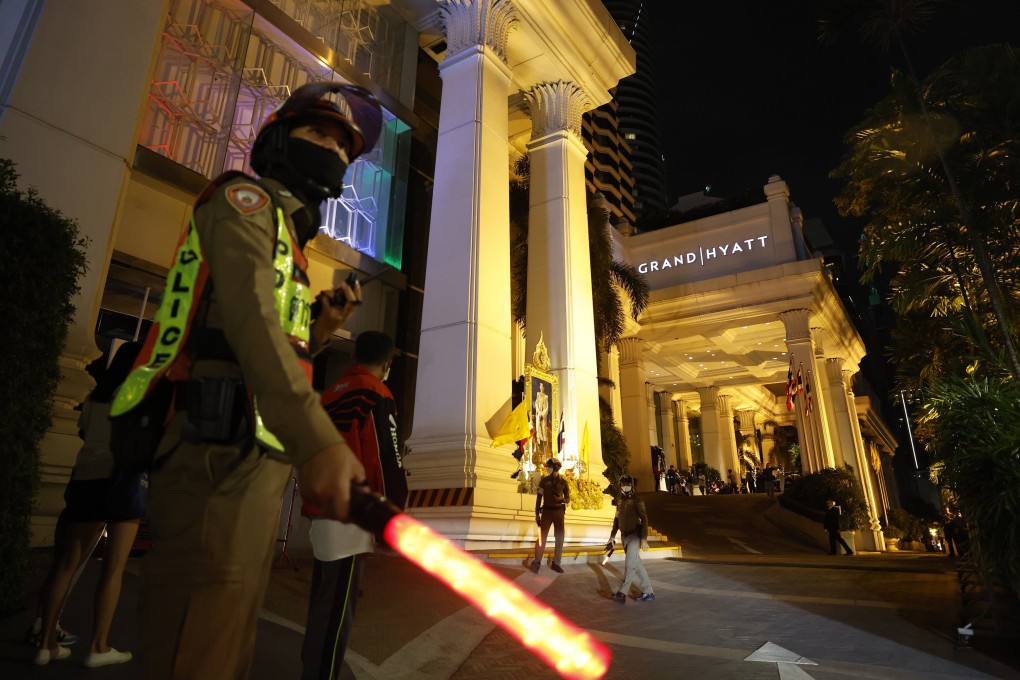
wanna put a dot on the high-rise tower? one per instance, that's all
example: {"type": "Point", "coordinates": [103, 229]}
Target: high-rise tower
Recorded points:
{"type": "Point", "coordinates": [639, 107]}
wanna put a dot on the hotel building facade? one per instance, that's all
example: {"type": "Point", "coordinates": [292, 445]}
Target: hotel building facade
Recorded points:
{"type": "Point", "coordinates": [122, 135]}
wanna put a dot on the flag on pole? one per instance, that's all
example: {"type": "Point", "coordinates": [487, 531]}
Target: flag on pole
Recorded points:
{"type": "Point", "coordinates": [563, 433]}
{"type": "Point", "coordinates": [800, 381]}
{"type": "Point", "coordinates": [515, 427]}
{"type": "Point", "coordinates": [582, 453]}
{"type": "Point", "coordinates": [808, 407]}
{"type": "Point", "coordinates": [791, 387]}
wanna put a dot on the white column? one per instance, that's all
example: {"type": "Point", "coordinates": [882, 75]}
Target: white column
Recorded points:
{"type": "Point", "coordinates": [634, 407]}
{"type": "Point", "coordinates": [664, 413]}
{"type": "Point", "coordinates": [559, 265]}
{"type": "Point", "coordinates": [683, 447]}
{"type": "Point", "coordinates": [768, 441]}
{"type": "Point", "coordinates": [728, 435]}
{"type": "Point", "coordinates": [846, 451]}
{"type": "Point", "coordinates": [842, 380]}
{"type": "Point", "coordinates": [464, 369]}
{"type": "Point", "coordinates": [747, 431]}
{"type": "Point", "coordinates": [815, 449]}
{"type": "Point", "coordinates": [711, 435]}
{"type": "Point", "coordinates": [825, 399]}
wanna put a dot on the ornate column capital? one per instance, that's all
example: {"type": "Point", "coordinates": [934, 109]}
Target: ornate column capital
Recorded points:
{"type": "Point", "coordinates": [724, 405]}
{"type": "Point", "coordinates": [796, 323]}
{"type": "Point", "coordinates": [746, 419]}
{"type": "Point", "coordinates": [834, 369]}
{"type": "Point", "coordinates": [557, 107]}
{"type": "Point", "coordinates": [681, 409]}
{"type": "Point", "coordinates": [709, 396]}
{"type": "Point", "coordinates": [469, 23]}
{"type": "Point", "coordinates": [631, 350]}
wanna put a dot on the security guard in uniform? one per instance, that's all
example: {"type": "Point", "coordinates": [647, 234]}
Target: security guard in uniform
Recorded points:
{"type": "Point", "coordinates": [235, 336]}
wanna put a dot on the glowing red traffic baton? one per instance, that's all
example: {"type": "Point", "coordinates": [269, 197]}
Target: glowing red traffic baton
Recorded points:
{"type": "Point", "coordinates": [568, 649]}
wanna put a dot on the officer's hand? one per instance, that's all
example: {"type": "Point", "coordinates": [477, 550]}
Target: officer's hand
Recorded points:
{"type": "Point", "coordinates": [610, 544]}
{"type": "Point", "coordinates": [644, 545]}
{"type": "Point", "coordinates": [333, 316]}
{"type": "Point", "coordinates": [325, 480]}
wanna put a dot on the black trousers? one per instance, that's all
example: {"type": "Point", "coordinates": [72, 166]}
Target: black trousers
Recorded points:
{"type": "Point", "coordinates": [835, 536]}
{"type": "Point", "coordinates": [334, 597]}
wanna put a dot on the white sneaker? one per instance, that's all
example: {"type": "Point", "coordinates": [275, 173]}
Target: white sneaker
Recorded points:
{"type": "Point", "coordinates": [97, 659]}
{"type": "Point", "coordinates": [44, 656]}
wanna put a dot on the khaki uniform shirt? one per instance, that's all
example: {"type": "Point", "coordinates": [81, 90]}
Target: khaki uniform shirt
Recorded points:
{"type": "Point", "coordinates": [553, 492]}
{"type": "Point", "coordinates": [237, 238]}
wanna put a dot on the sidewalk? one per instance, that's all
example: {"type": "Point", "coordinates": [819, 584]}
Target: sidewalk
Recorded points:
{"type": "Point", "coordinates": [869, 616]}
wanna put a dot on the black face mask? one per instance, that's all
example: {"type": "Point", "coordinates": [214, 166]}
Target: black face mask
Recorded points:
{"type": "Point", "coordinates": [321, 169]}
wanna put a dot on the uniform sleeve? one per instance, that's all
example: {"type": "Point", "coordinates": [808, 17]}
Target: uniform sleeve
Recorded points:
{"type": "Point", "coordinates": [643, 514]}
{"type": "Point", "coordinates": [616, 521]}
{"type": "Point", "coordinates": [238, 248]}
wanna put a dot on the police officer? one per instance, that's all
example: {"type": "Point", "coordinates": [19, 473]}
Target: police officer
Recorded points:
{"type": "Point", "coordinates": [550, 510]}
{"type": "Point", "coordinates": [632, 522]}
{"type": "Point", "coordinates": [235, 336]}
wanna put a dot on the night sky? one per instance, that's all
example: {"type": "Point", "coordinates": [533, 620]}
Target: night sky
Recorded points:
{"type": "Point", "coordinates": [748, 91]}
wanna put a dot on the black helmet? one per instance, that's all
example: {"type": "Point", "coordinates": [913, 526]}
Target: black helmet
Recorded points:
{"type": "Point", "coordinates": [554, 463]}
{"type": "Point", "coordinates": [626, 479]}
{"type": "Point", "coordinates": [353, 108]}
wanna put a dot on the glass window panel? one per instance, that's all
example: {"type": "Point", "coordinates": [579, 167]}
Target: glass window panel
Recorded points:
{"type": "Point", "coordinates": [222, 69]}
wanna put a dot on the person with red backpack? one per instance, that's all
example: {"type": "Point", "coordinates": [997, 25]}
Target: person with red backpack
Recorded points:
{"type": "Point", "coordinates": [363, 410]}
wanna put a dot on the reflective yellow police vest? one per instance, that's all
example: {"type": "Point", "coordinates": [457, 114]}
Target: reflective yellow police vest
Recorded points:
{"type": "Point", "coordinates": [184, 287]}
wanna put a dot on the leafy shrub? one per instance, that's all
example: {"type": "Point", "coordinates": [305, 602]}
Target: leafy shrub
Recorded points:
{"type": "Point", "coordinates": [43, 262]}
{"type": "Point", "coordinates": [974, 428]}
{"type": "Point", "coordinates": [812, 490]}
{"type": "Point", "coordinates": [912, 527]}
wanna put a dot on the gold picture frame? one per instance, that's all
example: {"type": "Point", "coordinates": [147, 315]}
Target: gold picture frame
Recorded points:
{"type": "Point", "coordinates": [545, 442]}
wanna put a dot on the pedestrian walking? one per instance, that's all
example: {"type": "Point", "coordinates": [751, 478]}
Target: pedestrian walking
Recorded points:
{"type": "Point", "coordinates": [769, 479]}
{"type": "Point", "coordinates": [832, 515]}
{"type": "Point", "coordinates": [703, 484]}
{"type": "Point", "coordinates": [631, 521]}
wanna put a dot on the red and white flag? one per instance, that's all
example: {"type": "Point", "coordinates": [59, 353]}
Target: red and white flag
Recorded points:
{"type": "Point", "coordinates": [808, 407]}
{"type": "Point", "coordinates": [791, 387]}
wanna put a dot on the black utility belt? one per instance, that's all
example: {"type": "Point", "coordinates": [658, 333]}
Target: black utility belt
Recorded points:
{"type": "Point", "coordinates": [219, 410]}
{"type": "Point", "coordinates": [554, 507]}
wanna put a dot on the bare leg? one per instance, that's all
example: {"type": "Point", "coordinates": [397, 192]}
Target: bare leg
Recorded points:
{"type": "Point", "coordinates": [78, 539]}
{"type": "Point", "coordinates": [119, 538]}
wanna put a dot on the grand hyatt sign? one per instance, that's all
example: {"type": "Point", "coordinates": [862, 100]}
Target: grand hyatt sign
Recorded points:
{"type": "Point", "coordinates": [703, 255]}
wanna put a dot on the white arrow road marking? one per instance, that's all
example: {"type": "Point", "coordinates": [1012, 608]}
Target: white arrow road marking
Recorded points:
{"type": "Point", "coordinates": [770, 652]}
{"type": "Point", "coordinates": [789, 671]}
{"type": "Point", "coordinates": [789, 663]}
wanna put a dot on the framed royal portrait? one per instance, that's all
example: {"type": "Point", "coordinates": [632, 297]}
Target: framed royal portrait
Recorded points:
{"type": "Point", "coordinates": [543, 394]}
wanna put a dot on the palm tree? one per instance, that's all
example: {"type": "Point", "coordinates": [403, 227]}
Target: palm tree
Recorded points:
{"type": "Point", "coordinates": [610, 278]}
{"type": "Point", "coordinates": [888, 23]}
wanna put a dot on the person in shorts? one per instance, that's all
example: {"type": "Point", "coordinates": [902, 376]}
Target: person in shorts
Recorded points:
{"type": "Point", "coordinates": [98, 497]}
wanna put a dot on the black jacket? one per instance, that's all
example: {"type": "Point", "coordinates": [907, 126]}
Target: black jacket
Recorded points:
{"type": "Point", "coordinates": [832, 518]}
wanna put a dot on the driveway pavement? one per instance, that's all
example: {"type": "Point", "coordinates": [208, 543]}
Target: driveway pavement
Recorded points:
{"type": "Point", "coordinates": [722, 611]}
